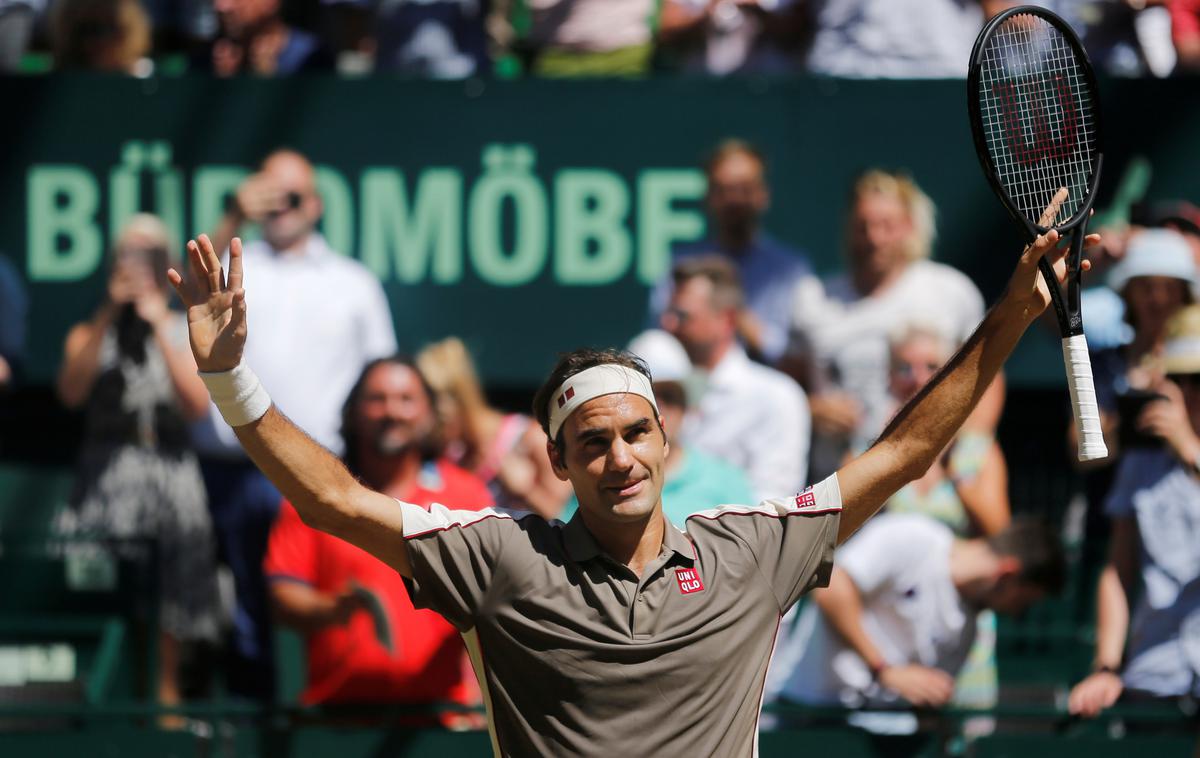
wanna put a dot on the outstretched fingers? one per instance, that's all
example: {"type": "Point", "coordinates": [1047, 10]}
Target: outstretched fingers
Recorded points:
{"type": "Point", "coordinates": [1051, 212]}
{"type": "Point", "coordinates": [235, 264]}
{"type": "Point", "coordinates": [212, 264]}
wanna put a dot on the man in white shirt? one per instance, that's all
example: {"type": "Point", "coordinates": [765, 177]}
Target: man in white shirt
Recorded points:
{"type": "Point", "coordinates": [898, 617]}
{"type": "Point", "coordinates": [319, 317]}
{"type": "Point", "coordinates": [749, 415]}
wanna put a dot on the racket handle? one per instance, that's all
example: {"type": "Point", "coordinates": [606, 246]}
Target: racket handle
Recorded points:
{"type": "Point", "coordinates": [1083, 399]}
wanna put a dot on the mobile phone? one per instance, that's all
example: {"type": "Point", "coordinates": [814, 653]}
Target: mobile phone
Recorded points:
{"type": "Point", "coordinates": [1129, 407]}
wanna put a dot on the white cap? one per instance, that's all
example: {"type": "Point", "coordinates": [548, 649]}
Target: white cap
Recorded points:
{"type": "Point", "coordinates": [663, 354]}
{"type": "Point", "coordinates": [1155, 252]}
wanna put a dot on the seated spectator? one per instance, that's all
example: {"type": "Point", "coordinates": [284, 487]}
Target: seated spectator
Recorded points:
{"type": "Point", "coordinates": [748, 415]}
{"type": "Point", "coordinates": [728, 37]}
{"type": "Point", "coordinates": [844, 340]}
{"type": "Point", "coordinates": [111, 36]}
{"type": "Point", "coordinates": [366, 642]}
{"type": "Point", "coordinates": [897, 620]}
{"type": "Point", "coordinates": [17, 19]}
{"type": "Point", "coordinates": [966, 490]}
{"type": "Point", "coordinates": [1148, 598]}
{"type": "Point", "coordinates": [254, 39]}
{"type": "Point", "coordinates": [589, 37]}
{"type": "Point", "coordinates": [435, 39]}
{"type": "Point", "coordinates": [897, 39]}
{"type": "Point", "coordinates": [777, 279]}
{"type": "Point", "coordinates": [1155, 279]}
{"type": "Point", "coordinates": [507, 451]}
{"type": "Point", "coordinates": [1122, 37]}
{"type": "Point", "coordinates": [694, 480]}
{"type": "Point", "coordinates": [129, 367]}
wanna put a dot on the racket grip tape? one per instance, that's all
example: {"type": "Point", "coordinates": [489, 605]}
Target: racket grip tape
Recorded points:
{"type": "Point", "coordinates": [1083, 399]}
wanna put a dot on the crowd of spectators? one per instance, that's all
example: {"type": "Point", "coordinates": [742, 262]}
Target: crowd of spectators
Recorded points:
{"type": "Point", "coordinates": [455, 39]}
{"type": "Point", "coordinates": [767, 377]}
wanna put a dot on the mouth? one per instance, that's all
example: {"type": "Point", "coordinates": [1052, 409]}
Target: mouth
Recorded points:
{"type": "Point", "coordinates": [627, 489]}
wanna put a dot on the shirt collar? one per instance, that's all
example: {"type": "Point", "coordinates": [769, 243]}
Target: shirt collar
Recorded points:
{"type": "Point", "coordinates": [315, 248]}
{"type": "Point", "coordinates": [731, 363]}
{"type": "Point", "coordinates": [582, 546]}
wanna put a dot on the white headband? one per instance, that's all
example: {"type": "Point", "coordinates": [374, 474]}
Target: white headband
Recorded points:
{"type": "Point", "coordinates": [589, 384]}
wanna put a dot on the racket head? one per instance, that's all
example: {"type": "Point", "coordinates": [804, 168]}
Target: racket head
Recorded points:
{"type": "Point", "coordinates": [1035, 116]}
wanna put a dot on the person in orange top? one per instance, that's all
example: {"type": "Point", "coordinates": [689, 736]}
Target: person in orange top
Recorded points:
{"type": "Point", "coordinates": [366, 642]}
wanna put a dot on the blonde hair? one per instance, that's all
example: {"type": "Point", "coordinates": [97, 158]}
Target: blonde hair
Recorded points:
{"type": "Point", "coordinates": [149, 236]}
{"type": "Point", "coordinates": [921, 210]}
{"type": "Point", "coordinates": [461, 404]}
{"type": "Point", "coordinates": [99, 35]}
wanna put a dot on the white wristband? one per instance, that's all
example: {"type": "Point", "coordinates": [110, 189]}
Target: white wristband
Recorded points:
{"type": "Point", "coordinates": [238, 394]}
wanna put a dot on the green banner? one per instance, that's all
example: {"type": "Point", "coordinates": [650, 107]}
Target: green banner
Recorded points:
{"type": "Point", "coordinates": [527, 217]}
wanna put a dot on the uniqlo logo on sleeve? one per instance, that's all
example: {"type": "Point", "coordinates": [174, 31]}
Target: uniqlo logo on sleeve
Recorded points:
{"type": "Point", "coordinates": [806, 499]}
{"type": "Point", "coordinates": [689, 581]}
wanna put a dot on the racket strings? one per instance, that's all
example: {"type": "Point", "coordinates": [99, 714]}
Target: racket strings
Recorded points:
{"type": "Point", "coordinates": [1036, 107]}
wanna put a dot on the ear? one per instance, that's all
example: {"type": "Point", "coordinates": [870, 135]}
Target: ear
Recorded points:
{"type": "Point", "coordinates": [556, 463]}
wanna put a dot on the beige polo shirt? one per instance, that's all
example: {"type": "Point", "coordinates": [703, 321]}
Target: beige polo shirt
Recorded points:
{"type": "Point", "coordinates": [576, 656]}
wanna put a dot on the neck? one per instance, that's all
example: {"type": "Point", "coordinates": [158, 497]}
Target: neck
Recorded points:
{"type": "Point", "coordinates": [716, 355]}
{"type": "Point", "coordinates": [294, 248]}
{"type": "Point", "coordinates": [869, 282]}
{"type": "Point", "coordinates": [735, 240]}
{"type": "Point", "coordinates": [633, 544]}
{"type": "Point", "coordinates": [393, 475]}
{"type": "Point", "coordinates": [972, 565]}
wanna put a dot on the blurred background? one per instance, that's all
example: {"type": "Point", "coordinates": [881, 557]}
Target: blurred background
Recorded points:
{"type": "Point", "coordinates": [479, 186]}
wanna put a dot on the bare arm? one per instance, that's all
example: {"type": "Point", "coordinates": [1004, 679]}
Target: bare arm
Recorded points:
{"type": "Point", "coordinates": [922, 429]}
{"type": "Point", "coordinates": [841, 603]}
{"type": "Point", "coordinates": [323, 492]}
{"type": "Point", "coordinates": [307, 609]}
{"type": "Point", "coordinates": [81, 357]}
{"type": "Point", "coordinates": [985, 497]}
{"type": "Point", "coordinates": [1102, 688]}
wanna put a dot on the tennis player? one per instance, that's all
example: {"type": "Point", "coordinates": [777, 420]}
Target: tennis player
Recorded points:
{"type": "Point", "coordinates": [616, 633]}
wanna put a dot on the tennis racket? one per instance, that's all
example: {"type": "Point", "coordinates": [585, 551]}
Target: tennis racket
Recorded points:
{"type": "Point", "coordinates": [1032, 98]}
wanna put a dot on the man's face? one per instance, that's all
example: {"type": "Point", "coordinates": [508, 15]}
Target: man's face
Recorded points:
{"type": "Point", "coordinates": [292, 177]}
{"type": "Point", "coordinates": [879, 228]}
{"type": "Point", "coordinates": [613, 454]}
{"type": "Point", "coordinates": [240, 17]}
{"type": "Point", "coordinates": [696, 322]}
{"type": "Point", "coordinates": [914, 362]}
{"type": "Point", "coordinates": [737, 193]}
{"type": "Point", "coordinates": [1154, 299]}
{"type": "Point", "coordinates": [394, 413]}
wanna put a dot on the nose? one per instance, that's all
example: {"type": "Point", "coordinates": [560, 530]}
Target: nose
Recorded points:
{"type": "Point", "coordinates": [620, 455]}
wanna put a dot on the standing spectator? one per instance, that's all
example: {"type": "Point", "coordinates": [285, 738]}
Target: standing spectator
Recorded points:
{"type": "Point", "coordinates": [694, 480]}
{"type": "Point", "coordinates": [309, 301]}
{"type": "Point", "coordinates": [1185, 33]}
{"type": "Point", "coordinates": [17, 18]}
{"type": "Point", "coordinates": [898, 617]}
{"type": "Point", "coordinates": [589, 37]}
{"type": "Point", "coordinates": [777, 279]}
{"type": "Point", "coordinates": [897, 39]}
{"type": "Point", "coordinates": [254, 39]}
{"type": "Point", "coordinates": [366, 642]}
{"type": "Point", "coordinates": [966, 489]}
{"type": "Point", "coordinates": [1153, 567]}
{"type": "Point", "coordinates": [14, 308]}
{"type": "Point", "coordinates": [726, 37]}
{"type": "Point", "coordinates": [111, 36]}
{"type": "Point", "coordinates": [751, 416]}
{"type": "Point", "coordinates": [130, 368]}
{"type": "Point", "coordinates": [890, 233]}
{"type": "Point", "coordinates": [507, 451]}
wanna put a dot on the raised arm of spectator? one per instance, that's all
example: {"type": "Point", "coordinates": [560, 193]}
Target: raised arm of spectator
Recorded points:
{"type": "Point", "coordinates": [842, 605]}
{"type": "Point", "coordinates": [323, 492]}
{"type": "Point", "coordinates": [681, 23]}
{"type": "Point", "coordinates": [307, 609]}
{"type": "Point", "coordinates": [1103, 686]}
{"type": "Point", "coordinates": [922, 429]}
{"type": "Point", "coordinates": [984, 493]}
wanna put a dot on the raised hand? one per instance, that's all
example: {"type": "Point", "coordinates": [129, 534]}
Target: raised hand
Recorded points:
{"type": "Point", "coordinates": [1027, 285]}
{"type": "Point", "coordinates": [216, 307]}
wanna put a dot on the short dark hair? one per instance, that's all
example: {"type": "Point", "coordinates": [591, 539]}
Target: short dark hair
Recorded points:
{"type": "Point", "coordinates": [572, 363]}
{"type": "Point", "coordinates": [732, 146]}
{"type": "Point", "coordinates": [718, 270]}
{"type": "Point", "coordinates": [1038, 547]}
{"type": "Point", "coordinates": [430, 449]}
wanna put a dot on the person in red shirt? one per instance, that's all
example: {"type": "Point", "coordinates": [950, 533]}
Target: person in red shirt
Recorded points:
{"type": "Point", "coordinates": [366, 642]}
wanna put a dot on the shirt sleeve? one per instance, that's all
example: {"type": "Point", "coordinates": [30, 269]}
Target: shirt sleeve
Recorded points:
{"type": "Point", "coordinates": [379, 331]}
{"type": "Point", "coordinates": [454, 557]}
{"type": "Point", "coordinates": [791, 539]}
{"type": "Point", "coordinates": [291, 548]}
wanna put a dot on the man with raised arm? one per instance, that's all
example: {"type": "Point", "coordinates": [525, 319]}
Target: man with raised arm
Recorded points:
{"type": "Point", "coordinates": [615, 633]}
